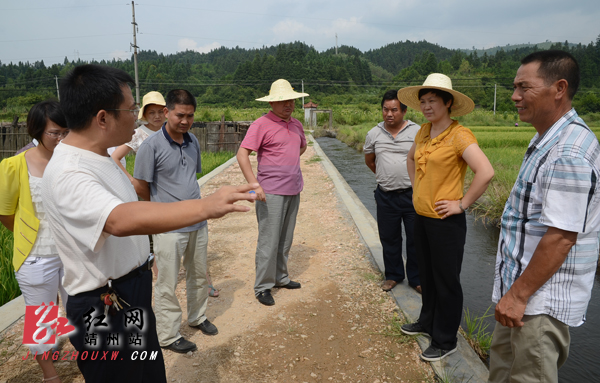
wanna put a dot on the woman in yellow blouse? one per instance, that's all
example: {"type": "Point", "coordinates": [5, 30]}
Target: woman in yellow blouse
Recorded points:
{"type": "Point", "coordinates": [38, 268]}
{"type": "Point", "coordinates": [437, 164]}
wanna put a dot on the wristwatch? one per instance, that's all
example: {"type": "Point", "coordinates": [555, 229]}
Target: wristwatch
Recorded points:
{"type": "Point", "coordinates": [460, 205]}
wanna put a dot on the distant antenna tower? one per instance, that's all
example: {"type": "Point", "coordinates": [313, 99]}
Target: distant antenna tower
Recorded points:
{"type": "Point", "coordinates": [336, 44]}
{"type": "Point", "coordinates": [135, 63]}
{"type": "Point", "coordinates": [76, 53]}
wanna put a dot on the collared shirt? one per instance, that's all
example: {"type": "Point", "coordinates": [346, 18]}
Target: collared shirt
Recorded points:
{"type": "Point", "coordinates": [390, 154]}
{"type": "Point", "coordinates": [277, 143]}
{"type": "Point", "coordinates": [557, 186]}
{"type": "Point", "coordinates": [170, 169]}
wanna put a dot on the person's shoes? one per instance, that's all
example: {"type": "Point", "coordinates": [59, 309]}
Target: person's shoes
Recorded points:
{"type": "Point", "coordinates": [388, 285]}
{"type": "Point", "coordinates": [291, 285]}
{"type": "Point", "coordinates": [265, 298]}
{"type": "Point", "coordinates": [417, 288]}
{"type": "Point", "coordinates": [433, 354]}
{"type": "Point", "coordinates": [207, 328]}
{"type": "Point", "coordinates": [182, 346]}
{"type": "Point", "coordinates": [412, 328]}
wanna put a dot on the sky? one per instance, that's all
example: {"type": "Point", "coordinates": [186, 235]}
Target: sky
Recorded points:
{"type": "Point", "coordinates": [50, 30]}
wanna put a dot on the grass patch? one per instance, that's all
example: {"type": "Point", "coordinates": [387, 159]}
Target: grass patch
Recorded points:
{"type": "Point", "coordinates": [476, 333]}
{"type": "Point", "coordinates": [371, 277]}
{"type": "Point", "coordinates": [393, 329]}
{"type": "Point", "coordinates": [210, 161]}
{"type": "Point", "coordinates": [9, 288]}
{"type": "Point", "coordinates": [314, 159]}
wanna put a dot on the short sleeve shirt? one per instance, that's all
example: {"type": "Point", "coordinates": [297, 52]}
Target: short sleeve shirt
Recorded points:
{"type": "Point", "coordinates": [557, 186]}
{"type": "Point", "coordinates": [170, 169]}
{"type": "Point", "coordinates": [390, 154]}
{"type": "Point", "coordinates": [440, 168]}
{"type": "Point", "coordinates": [80, 189]}
{"type": "Point", "coordinates": [277, 144]}
{"type": "Point", "coordinates": [139, 136]}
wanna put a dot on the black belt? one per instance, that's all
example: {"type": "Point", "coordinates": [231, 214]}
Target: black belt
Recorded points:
{"type": "Point", "coordinates": [137, 271]}
{"type": "Point", "coordinates": [399, 191]}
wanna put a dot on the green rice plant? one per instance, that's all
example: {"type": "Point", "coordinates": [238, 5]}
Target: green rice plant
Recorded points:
{"type": "Point", "coordinates": [503, 139]}
{"type": "Point", "coordinates": [354, 136]}
{"type": "Point", "coordinates": [476, 332]}
{"type": "Point", "coordinates": [9, 288]}
{"type": "Point", "coordinates": [210, 161]}
{"type": "Point", "coordinates": [506, 163]}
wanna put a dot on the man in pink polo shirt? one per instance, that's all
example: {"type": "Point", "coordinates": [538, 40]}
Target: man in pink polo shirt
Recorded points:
{"type": "Point", "coordinates": [279, 142]}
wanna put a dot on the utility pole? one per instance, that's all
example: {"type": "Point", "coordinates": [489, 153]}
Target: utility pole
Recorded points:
{"type": "Point", "coordinates": [494, 99]}
{"type": "Point", "coordinates": [57, 92]}
{"type": "Point", "coordinates": [302, 92]}
{"type": "Point", "coordinates": [336, 44]}
{"type": "Point", "coordinates": [135, 63]}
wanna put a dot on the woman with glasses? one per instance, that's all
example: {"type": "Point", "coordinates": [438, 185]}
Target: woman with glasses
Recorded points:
{"type": "Point", "coordinates": [38, 268]}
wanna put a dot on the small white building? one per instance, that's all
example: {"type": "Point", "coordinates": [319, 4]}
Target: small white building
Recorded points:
{"type": "Point", "coordinates": [310, 118]}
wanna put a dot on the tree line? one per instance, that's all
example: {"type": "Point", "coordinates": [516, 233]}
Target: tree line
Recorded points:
{"type": "Point", "coordinates": [236, 76]}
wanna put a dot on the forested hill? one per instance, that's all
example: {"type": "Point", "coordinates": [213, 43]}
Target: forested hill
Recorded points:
{"type": "Point", "coordinates": [397, 56]}
{"type": "Point", "coordinates": [236, 76]}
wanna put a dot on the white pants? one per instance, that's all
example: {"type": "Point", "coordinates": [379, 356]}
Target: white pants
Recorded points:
{"type": "Point", "coordinates": [40, 282]}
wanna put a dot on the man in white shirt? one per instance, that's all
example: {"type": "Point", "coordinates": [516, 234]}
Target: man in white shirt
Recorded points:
{"type": "Point", "coordinates": [101, 229]}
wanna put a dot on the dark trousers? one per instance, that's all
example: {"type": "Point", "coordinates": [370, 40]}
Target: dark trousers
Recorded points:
{"type": "Point", "coordinates": [440, 246]}
{"type": "Point", "coordinates": [120, 337]}
{"type": "Point", "coordinates": [393, 209]}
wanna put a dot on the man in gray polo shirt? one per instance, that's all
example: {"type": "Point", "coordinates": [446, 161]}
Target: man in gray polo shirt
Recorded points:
{"type": "Point", "coordinates": [166, 166]}
{"type": "Point", "coordinates": [386, 147]}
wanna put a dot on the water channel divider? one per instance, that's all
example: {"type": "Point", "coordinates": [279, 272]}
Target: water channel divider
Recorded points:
{"type": "Point", "coordinates": [462, 366]}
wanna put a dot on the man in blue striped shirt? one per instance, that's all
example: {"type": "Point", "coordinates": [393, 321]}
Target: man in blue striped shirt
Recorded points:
{"type": "Point", "coordinates": [548, 246]}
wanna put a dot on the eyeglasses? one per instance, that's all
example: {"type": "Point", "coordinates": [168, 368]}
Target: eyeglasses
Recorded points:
{"type": "Point", "coordinates": [135, 111]}
{"type": "Point", "coordinates": [57, 135]}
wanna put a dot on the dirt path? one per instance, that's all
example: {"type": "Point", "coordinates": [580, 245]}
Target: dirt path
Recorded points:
{"type": "Point", "coordinates": [329, 330]}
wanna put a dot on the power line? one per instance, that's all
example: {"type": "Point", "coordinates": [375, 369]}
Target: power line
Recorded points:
{"type": "Point", "coordinates": [62, 38]}
{"type": "Point", "coordinates": [63, 7]}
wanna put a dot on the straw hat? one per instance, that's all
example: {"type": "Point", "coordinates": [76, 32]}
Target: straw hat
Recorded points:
{"type": "Point", "coordinates": [281, 90]}
{"type": "Point", "coordinates": [410, 95]}
{"type": "Point", "coordinates": [151, 98]}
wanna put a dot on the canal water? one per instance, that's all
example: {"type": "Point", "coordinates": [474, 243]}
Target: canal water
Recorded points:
{"type": "Point", "coordinates": [477, 275]}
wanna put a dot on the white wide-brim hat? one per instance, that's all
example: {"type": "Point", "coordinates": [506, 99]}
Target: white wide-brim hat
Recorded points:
{"type": "Point", "coordinates": [149, 99]}
{"type": "Point", "coordinates": [410, 95]}
{"type": "Point", "coordinates": [281, 90]}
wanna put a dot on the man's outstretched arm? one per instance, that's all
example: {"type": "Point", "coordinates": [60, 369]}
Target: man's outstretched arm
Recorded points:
{"type": "Point", "coordinates": [138, 218]}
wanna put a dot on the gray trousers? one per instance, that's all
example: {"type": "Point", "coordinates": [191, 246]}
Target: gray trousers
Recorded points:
{"type": "Point", "coordinates": [276, 223]}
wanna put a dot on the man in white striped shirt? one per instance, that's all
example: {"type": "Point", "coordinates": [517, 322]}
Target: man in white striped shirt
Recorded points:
{"type": "Point", "coordinates": [548, 246]}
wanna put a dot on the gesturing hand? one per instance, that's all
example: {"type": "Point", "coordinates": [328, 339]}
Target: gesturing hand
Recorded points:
{"type": "Point", "coordinates": [223, 200]}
